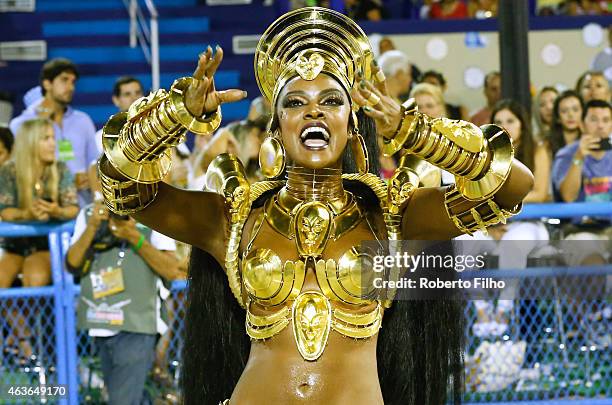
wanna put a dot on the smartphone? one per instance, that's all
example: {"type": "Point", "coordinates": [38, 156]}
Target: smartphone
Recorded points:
{"type": "Point", "coordinates": [605, 144]}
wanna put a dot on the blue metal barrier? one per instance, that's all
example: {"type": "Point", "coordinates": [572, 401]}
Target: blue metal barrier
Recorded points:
{"type": "Point", "coordinates": [55, 292]}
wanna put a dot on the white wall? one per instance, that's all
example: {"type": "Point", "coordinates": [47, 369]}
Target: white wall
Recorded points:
{"type": "Point", "coordinates": [576, 57]}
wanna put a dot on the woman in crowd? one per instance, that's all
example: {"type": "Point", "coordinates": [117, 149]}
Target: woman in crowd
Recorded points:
{"type": "Point", "coordinates": [6, 144]}
{"type": "Point", "coordinates": [429, 100]}
{"type": "Point", "coordinates": [312, 336]}
{"type": "Point", "coordinates": [454, 112]}
{"type": "Point", "coordinates": [536, 155]}
{"type": "Point", "coordinates": [34, 186]}
{"type": "Point", "coordinates": [593, 85]}
{"type": "Point", "coordinates": [566, 119]}
{"type": "Point", "coordinates": [543, 110]}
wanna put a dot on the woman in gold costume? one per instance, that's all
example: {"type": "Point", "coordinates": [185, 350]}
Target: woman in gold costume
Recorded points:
{"type": "Point", "coordinates": [281, 257]}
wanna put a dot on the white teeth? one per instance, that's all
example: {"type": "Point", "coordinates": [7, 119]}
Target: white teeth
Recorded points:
{"type": "Point", "coordinates": [316, 129]}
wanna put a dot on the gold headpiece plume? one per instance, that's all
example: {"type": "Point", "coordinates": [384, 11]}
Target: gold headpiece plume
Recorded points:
{"type": "Point", "coordinates": [309, 41]}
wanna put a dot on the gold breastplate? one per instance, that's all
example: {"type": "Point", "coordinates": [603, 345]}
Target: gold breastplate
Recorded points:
{"type": "Point", "coordinates": [272, 283]}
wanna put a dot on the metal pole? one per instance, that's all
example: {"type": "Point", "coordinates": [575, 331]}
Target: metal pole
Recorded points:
{"type": "Point", "coordinates": [154, 53]}
{"type": "Point", "coordinates": [133, 23]}
{"type": "Point", "coordinates": [514, 50]}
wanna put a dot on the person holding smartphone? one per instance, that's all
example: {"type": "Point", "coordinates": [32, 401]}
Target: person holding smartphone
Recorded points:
{"type": "Point", "coordinates": [583, 170]}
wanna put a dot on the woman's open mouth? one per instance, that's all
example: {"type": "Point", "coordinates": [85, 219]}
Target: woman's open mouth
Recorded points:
{"type": "Point", "coordinates": [315, 137]}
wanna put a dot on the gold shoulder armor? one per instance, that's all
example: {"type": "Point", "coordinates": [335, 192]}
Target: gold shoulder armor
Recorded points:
{"type": "Point", "coordinates": [226, 177]}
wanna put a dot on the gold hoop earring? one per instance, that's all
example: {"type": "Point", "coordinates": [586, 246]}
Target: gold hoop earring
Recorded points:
{"type": "Point", "coordinates": [360, 152]}
{"type": "Point", "coordinates": [272, 156]}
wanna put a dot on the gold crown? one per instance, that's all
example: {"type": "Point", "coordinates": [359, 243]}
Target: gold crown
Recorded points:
{"type": "Point", "coordinates": [309, 41]}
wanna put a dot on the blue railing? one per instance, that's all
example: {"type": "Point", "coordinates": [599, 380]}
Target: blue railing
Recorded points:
{"type": "Point", "coordinates": [63, 291]}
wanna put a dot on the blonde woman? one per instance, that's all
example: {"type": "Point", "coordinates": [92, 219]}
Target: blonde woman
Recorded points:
{"type": "Point", "coordinates": [34, 186]}
{"type": "Point", "coordinates": [429, 99]}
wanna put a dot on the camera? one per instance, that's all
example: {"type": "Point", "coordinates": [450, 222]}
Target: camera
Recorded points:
{"type": "Point", "coordinates": [104, 238]}
{"type": "Point", "coordinates": [605, 143]}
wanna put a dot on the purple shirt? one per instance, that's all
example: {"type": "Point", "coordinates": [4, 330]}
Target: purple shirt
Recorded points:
{"type": "Point", "coordinates": [77, 128]}
{"type": "Point", "coordinates": [596, 174]}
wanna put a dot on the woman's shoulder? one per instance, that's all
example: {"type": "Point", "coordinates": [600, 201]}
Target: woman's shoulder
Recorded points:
{"type": "Point", "coordinates": [8, 169]}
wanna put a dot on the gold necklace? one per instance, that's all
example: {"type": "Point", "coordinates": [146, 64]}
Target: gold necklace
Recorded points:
{"type": "Point", "coordinates": [312, 208]}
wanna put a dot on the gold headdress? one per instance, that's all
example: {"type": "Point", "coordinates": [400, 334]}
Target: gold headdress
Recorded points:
{"type": "Point", "coordinates": [309, 41]}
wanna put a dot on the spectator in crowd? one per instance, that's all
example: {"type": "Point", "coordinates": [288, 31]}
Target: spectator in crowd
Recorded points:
{"type": "Point", "coordinates": [583, 169]}
{"type": "Point", "coordinates": [481, 9]}
{"type": "Point", "coordinates": [74, 130]}
{"type": "Point", "coordinates": [448, 9]}
{"type": "Point", "coordinates": [492, 92]}
{"type": "Point", "coordinates": [454, 112]}
{"type": "Point", "coordinates": [565, 128]}
{"type": "Point", "coordinates": [121, 265]}
{"type": "Point", "coordinates": [429, 100]}
{"type": "Point", "coordinates": [385, 44]}
{"type": "Point", "coordinates": [369, 10]}
{"type": "Point", "coordinates": [211, 147]}
{"type": "Point", "coordinates": [603, 60]}
{"type": "Point", "coordinates": [126, 90]}
{"type": "Point", "coordinates": [593, 86]}
{"type": "Point", "coordinates": [34, 186]}
{"type": "Point", "coordinates": [543, 110]}
{"type": "Point", "coordinates": [6, 144]}
{"type": "Point", "coordinates": [512, 116]}
{"type": "Point", "coordinates": [398, 71]}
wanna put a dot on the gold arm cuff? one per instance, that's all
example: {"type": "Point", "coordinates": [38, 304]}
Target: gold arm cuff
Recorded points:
{"type": "Point", "coordinates": [480, 158]}
{"type": "Point", "coordinates": [479, 217]}
{"type": "Point", "coordinates": [198, 125]}
{"type": "Point", "coordinates": [126, 197]}
{"type": "Point", "coordinates": [502, 153]}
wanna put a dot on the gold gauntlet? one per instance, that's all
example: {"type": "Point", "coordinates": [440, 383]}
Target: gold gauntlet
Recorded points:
{"type": "Point", "coordinates": [479, 159]}
{"type": "Point", "coordinates": [138, 142]}
{"type": "Point", "coordinates": [125, 197]}
{"type": "Point", "coordinates": [479, 217]}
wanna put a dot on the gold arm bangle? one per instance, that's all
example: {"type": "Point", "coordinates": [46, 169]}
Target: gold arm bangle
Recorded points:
{"type": "Point", "coordinates": [138, 142]}
{"type": "Point", "coordinates": [125, 197]}
{"type": "Point", "coordinates": [480, 158]}
{"type": "Point", "coordinates": [479, 217]}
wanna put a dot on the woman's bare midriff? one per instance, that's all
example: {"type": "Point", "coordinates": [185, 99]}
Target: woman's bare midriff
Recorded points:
{"type": "Point", "coordinates": [275, 373]}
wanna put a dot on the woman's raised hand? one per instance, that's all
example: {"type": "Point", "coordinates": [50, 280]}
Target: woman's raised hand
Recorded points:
{"type": "Point", "coordinates": [373, 97]}
{"type": "Point", "coordinates": [201, 96]}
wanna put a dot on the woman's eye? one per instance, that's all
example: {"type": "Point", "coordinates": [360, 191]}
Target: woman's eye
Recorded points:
{"type": "Point", "coordinates": [292, 103]}
{"type": "Point", "coordinates": [333, 101]}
